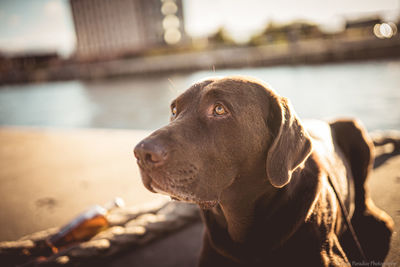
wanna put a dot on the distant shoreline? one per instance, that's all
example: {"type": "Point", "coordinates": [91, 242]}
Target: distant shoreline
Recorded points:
{"type": "Point", "coordinates": [303, 52]}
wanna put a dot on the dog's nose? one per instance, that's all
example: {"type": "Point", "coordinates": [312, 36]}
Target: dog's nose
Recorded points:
{"type": "Point", "coordinates": [150, 154]}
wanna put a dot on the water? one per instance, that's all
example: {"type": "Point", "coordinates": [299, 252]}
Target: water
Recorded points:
{"type": "Point", "coordinates": [369, 91]}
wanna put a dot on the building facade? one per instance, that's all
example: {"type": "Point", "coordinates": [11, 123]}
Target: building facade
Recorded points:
{"type": "Point", "coordinates": [108, 28]}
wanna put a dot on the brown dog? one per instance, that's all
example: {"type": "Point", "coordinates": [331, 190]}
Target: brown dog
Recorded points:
{"type": "Point", "coordinates": [263, 179]}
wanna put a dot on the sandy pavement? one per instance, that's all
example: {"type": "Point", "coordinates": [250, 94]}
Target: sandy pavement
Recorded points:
{"type": "Point", "coordinates": [48, 176]}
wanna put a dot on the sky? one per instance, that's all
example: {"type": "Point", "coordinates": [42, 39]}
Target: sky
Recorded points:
{"type": "Point", "coordinates": [36, 25]}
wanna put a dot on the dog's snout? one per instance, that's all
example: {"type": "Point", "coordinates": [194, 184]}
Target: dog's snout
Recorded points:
{"type": "Point", "coordinates": [150, 154]}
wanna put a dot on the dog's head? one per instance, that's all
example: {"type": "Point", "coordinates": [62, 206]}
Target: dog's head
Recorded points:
{"type": "Point", "coordinates": [220, 130]}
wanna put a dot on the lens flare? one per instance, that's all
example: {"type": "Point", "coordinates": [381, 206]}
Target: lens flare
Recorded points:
{"type": "Point", "coordinates": [385, 30]}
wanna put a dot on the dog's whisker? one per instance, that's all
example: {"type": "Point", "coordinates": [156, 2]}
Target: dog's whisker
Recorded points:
{"type": "Point", "coordinates": [172, 86]}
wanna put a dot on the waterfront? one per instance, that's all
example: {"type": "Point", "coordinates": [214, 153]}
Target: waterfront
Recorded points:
{"type": "Point", "coordinates": [366, 90]}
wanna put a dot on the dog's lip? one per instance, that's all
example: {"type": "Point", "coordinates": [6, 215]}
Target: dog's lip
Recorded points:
{"type": "Point", "coordinates": [157, 187]}
{"type": "Point", "coordinates": [147, 181]}
{"type": "Point", "coordinates": [151, 184]}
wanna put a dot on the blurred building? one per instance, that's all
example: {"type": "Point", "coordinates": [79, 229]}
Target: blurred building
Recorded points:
{"type": "Point", "coordinates": [109, 28]}
{"type": "Point", "coordinates": [27, 61]}
{"type": "Point", "coordinates": [361, 27]}
{"type": "Point", "coordinates": [27, 66]}
{"type": "Point", "coordinates": [287, 33]}
{"type": "Point", "coordinates": [362, 23]}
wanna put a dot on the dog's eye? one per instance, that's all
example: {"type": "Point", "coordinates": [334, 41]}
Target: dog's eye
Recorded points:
{"type": "Point", "coordinates": [173, 112]}
{"type": "Point", "coordinates": [219, 109]}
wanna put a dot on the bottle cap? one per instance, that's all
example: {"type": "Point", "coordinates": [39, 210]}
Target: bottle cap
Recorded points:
{"type": "Point", "coordinates": [117, 202]}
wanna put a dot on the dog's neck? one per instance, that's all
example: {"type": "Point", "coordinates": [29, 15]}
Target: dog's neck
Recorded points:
{"type": "Point", "coordinates": [260, 211]}
{"type": "Point", "coordinates": [238, 208]}
{"type": "Point", "coordinates": [240, 203]}
{"type": "Point", "coordinates": [231, 224]}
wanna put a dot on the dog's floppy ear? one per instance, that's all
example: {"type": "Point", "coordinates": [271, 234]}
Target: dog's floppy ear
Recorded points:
{"type": "Point", "coordinates": [291, 146]}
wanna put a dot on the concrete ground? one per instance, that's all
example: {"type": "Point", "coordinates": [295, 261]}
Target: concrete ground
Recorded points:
{"type": "Point", "coordinates": [47, 176]}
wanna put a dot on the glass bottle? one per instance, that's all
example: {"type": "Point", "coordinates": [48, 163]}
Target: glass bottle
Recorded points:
{"type": "Point", "coordinates": [84, 226]}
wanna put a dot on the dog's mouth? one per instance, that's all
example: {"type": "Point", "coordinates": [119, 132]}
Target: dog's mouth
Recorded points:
{"type": "Point", "coordinates": [147, 181]}
{"type": "Point", "coordinates": [160, 183]}
{"type": "Point", "coordinates": [157, 188]}
{"type": "Point", "coordinates": [177, 191]}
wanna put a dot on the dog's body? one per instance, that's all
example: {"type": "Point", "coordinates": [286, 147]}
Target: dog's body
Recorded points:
{"type": "Point", "coordinates": [266, 182]}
